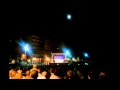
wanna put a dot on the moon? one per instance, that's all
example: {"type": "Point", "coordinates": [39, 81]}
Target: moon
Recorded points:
{"type": "Point", "coordinates": [69, 17]}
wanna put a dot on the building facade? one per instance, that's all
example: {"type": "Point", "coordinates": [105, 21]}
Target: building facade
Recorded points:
{"type": "Point", "coordinates": [48, 46]}
{"type": "Point", "coordinates": [42, 46]}
{"type": "Point", "coordinates": [37, 45]}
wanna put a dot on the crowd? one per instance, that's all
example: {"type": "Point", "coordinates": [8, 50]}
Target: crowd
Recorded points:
{"type": "Point", "coordinates": [55, 72]}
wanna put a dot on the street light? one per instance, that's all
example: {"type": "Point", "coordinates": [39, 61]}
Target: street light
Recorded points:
{"type": "Point", "coordinates": [28, 60]}
{"type": "Point", "coordinates": [47, 59]}
{"type": "Point", "coordinates": [86, 55]}
{"type": "Point", "coordinates": [26, 48]}
{"type": "Point", "coordinates": [67, 52]}
{"type": "Point", "coordinates": [34, 58]}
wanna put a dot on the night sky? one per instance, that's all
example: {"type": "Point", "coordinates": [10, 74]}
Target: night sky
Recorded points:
{"type": "Point", "coordinates": [87, 31]}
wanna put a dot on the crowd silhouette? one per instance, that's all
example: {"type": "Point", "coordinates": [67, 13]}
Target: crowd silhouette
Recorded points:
{"type": "Point", "coordinates": [56, 72]}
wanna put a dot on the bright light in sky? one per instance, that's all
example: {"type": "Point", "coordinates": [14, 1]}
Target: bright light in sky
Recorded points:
{"type": "Point", "coordinates": [69, 17]}
{"type": "Point", "coordinates": [86, 55]}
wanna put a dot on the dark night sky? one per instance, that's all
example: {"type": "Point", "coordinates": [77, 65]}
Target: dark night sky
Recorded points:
{"type": "Point", "coordinates": [89, 30]}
